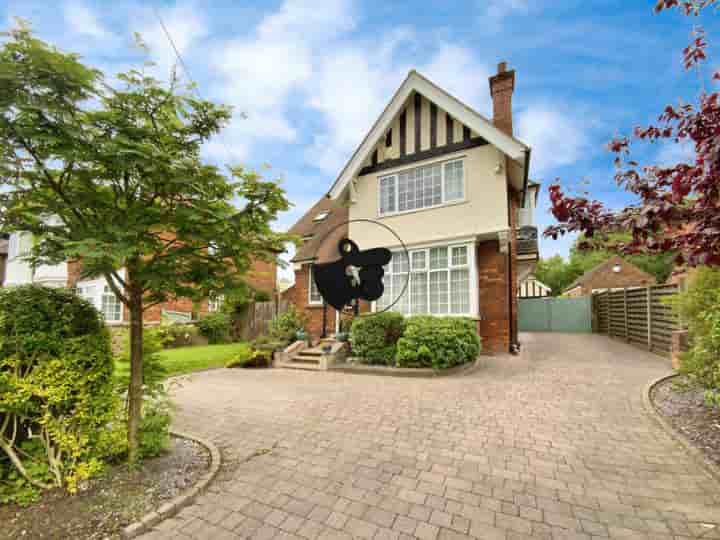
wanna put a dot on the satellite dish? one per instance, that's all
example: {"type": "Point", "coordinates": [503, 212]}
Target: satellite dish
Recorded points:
{"type": "Point", "coordinates": [355, 274]}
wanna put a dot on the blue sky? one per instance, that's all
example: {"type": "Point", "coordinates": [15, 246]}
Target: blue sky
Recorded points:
{"type": "Point", "coordinates": [311, 77]}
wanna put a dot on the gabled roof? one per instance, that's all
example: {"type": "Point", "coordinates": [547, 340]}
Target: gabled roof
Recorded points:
{"type": "Point", "coordinates": [606, 267]}
{"type": "Point", "coordinates": [315, 231]}
{"type": "Point", "coordinates": [414, 82]}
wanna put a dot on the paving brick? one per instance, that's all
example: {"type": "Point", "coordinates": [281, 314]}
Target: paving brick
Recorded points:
{"type": "Point", "coordinates": [557, 433]}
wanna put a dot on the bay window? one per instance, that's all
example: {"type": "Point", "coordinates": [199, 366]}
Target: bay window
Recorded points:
{"type": "Point", "coordinates": [439, 281]}
{"type": "Point", "coordinates": [421, 187]}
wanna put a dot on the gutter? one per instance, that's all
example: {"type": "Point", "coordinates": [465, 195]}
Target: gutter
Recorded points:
{"type": "Point", "coordinates": [528, 153]}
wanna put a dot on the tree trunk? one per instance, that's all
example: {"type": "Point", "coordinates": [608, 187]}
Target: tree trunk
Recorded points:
{"type": "Point", "coordinates": [135, 390]}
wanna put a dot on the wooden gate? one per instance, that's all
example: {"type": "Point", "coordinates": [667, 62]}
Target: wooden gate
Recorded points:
{"type": "Point", "coordinates": [555, 314]}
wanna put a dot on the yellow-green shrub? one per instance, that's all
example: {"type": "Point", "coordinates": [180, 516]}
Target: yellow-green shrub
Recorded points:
{"type": "Point", "coordinates": [56, 388]}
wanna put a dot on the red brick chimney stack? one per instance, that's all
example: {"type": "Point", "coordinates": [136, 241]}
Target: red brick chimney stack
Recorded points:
{"type": "Point", "coordinates": [501, 89]}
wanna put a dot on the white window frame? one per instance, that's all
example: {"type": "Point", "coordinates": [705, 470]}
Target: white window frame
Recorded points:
{"type": "Point", "coordinates": [443, 201]}
{"type": "Point", "coordinates": [473, 304]}
{"type": "Point", "coordinates": [96, 299]}
{"type": "Point", "coordinates": [311, 284]}
{"type": "Point", "coordinates": [215, 303]}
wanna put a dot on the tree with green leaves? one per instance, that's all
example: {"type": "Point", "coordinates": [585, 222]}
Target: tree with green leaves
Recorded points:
{"type": "Point", "coordinates": [558, 274]}
{"type": "Point", "coordinates": [112, 176]}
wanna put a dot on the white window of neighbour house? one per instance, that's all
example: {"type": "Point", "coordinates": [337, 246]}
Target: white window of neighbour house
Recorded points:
{"type": "Point", "coordinates": [103, 298]}
{"type": "Point", "coordinates": [215, 303]}
{"type": "Point", "coordinates": [439, 282]}
{"type": "Point", "coordinates": [110, 305]}
{"type": "Point", "coordinates": [421, 187]}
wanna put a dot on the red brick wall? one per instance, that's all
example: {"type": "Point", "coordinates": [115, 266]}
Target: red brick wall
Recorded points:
{"type": "Point", "coordinates": [494, 326]}
{"type": "Point", "coordinates": [261, 276]}
{"type": "Point", "coordinates": [298, 295]}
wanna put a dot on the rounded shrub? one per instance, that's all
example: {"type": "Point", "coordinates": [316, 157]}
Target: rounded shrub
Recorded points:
{"type": "Point", "coordinates": [57, 394]}
{"type": "Point", "coordinates": [437, 342]}
{"type": "Point", "coordinates": [215, 327]}
{"type": "Point", "coordinates": [373, 338]}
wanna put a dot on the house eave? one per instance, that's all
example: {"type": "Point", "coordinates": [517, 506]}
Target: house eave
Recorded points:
{"type": "Point", "coordinates": [507, 144]}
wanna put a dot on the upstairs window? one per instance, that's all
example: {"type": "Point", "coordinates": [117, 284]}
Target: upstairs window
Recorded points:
{"type": "Point", "coordinates": [422, 187]}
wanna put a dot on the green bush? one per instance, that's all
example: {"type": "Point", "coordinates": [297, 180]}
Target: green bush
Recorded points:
{"type": "Point", "coordinates": [178, 335]}
{"type": "Point", "coordinates": [58, 406]}
{"type": "Point", "coordinates": [373, 339]}
{"type": "Point", "coordinates": [284, 327]}
{"type": "Point", "coordinates": [437, 342]}
{"type": "Point", "coordinates": [215, 327]}
{"type": "Point", "coordinates": [699, 308]}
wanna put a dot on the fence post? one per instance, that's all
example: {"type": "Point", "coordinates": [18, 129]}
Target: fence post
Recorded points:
{"type": "Point", "coordinates": [625, 309]}
{"type": "Point", "coordinates": [649, 319]}
{"type": "Point", "coordinates": [607, 312]}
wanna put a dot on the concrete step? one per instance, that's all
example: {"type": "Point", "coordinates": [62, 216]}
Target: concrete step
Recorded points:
{"type": "Point", "coordinates": [298, 365]}
{"type": "Point", "coordinates": [305, 359]}
{"type": "Point", "coordinates": [311, 352]}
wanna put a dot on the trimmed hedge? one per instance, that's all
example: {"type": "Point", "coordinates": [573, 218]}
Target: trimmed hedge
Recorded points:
{"type": "Point", "coordinates": [437, 342]}
{"type": "Point", "coordinates": [374, 338]}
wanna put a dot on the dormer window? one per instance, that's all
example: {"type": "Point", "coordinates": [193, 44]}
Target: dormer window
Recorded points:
{"type": "Point", "coordinates": [307, 237]}
{"type": "Point", "coordinates": [321, 216]}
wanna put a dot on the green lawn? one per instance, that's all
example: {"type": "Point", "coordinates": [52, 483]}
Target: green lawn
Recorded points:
{"type": "Point", "coordinates": [188, 359]}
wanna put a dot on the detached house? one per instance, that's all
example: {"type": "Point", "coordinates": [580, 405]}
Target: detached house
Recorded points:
{"type": "Point", "coordinates": [262, 277]}
{"type": "Point", "coordinates": [454, 186]}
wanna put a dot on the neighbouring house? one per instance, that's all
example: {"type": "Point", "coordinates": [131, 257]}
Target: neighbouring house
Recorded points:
{"type": "Point", "coordinates": [615, 273]}
{"type": "Point", "coordinates": [262, 277]}
{"type": "Point", "coordinates": [532, 287]}
{"type": "Point", "coordinates": [454, 186]}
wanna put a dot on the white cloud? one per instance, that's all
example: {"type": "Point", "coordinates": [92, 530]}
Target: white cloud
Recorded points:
{"type": "Point", "coordinates": [352, 88]}
{"type": "Point", "coordinates": [456, 70]}
{"type": "Point", "coordinates": [555, 137]}
{"type": "Point", "coordinates": [186, 25]}
{"type": "Point", "coordinates": [259, 76]}
{"type": "Point", "coordinates": [494, 11]}
{"type": "Point", "coordinates": [83, 21]}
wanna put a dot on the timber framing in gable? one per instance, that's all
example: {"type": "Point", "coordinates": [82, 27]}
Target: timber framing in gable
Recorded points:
{"type": "Point", "coordinates": [423, 155]}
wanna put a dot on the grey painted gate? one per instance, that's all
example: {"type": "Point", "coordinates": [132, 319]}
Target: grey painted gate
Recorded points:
{"type": "Point", "coordinates": [555, 314]}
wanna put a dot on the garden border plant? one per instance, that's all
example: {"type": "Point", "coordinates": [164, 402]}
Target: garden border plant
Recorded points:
{"type": "Point", "coordinates": [60, 414]}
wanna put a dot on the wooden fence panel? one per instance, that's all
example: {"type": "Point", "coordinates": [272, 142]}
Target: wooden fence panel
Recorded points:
{"type": "Point", "coordinates": [258, 316]}
{"type": "Point", "coordinates": [640, 316]}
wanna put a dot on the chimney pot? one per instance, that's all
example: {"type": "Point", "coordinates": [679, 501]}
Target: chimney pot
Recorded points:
{"type": "Point", "coordinates": [502, 85]}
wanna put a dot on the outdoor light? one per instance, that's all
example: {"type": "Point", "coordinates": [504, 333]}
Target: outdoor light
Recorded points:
{"type": "Point", "coordinates": [617, 268]}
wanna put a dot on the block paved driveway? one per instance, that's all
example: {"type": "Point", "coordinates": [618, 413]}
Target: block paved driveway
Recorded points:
{"type": "Point", "coordinates": [551, 444]}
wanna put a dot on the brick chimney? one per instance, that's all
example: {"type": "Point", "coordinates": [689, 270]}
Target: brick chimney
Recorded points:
{"type": "Point", "coordinates": [501, 89]}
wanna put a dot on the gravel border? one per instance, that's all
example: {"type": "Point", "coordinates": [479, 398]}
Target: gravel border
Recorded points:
{"type": "Point", "coordinates": [173, 506]}
{"type": "Point", "coordinates": [710, 468]}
